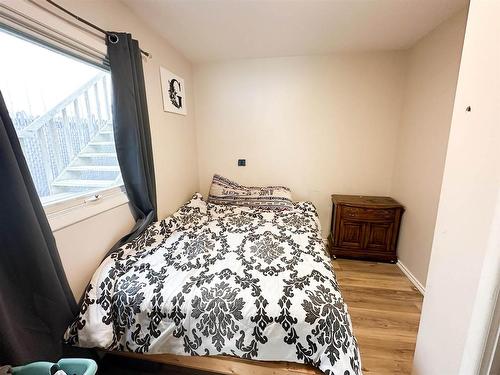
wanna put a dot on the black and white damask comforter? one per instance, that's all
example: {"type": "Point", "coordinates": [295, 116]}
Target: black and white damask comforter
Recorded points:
{"type": "Point", "coordinates": [213, 280]}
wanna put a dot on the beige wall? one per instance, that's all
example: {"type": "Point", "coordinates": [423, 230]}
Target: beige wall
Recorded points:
{"type": "Point", "coordinates": [433, 65]}
{"type": "Point", "coordinates": [83, 245]}
{"type": "Point", "coordinates": [319, 125]}
{"type": "Point", "coordinates": [464, 261]}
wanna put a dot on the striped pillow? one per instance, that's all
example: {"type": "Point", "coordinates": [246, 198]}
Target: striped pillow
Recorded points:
{"type": "Point", "coordinates": [225, 191]}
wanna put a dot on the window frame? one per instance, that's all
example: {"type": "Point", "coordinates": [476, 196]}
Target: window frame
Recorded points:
{"type": "Point", "coordinates": [71, 211]}
{"type": "Point", "coordinates": [53, 33]}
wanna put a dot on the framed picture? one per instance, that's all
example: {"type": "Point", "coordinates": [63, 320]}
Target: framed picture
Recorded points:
{"type": "Point", "coordinates": [173, 91]}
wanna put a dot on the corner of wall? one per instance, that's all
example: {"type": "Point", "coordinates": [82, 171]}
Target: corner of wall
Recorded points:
{"type": "Point", "coordinates": [404, 92]}
{"type": "Point", "coordinates": [431, 72]}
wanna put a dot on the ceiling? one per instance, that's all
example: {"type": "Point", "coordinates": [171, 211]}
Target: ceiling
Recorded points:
{"type": "Point", "coordinates": [207, 30]}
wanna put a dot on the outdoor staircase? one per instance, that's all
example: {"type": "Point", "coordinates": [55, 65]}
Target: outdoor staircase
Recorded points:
{"type": "Point", "coordinates": [70, 149]}
{"type": "Point", "coordinates": [94, 167]}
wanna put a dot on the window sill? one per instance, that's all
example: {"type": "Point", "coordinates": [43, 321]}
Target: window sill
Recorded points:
{"type": "Point", "coordinates": [67, 213]}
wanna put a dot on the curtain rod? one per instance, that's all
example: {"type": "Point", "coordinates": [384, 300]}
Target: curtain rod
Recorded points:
{"type": "Point", "coordinates": [95, 27]}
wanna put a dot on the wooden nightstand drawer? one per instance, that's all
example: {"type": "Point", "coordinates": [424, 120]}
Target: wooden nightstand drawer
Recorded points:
{"type": "Point", "coordinates": [363, 213]}
{"type": "Point", "coordinates": [365, 227]}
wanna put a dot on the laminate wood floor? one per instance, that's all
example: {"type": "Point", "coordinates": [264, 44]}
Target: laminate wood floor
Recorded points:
{"type": "Point", "coordinates": [385, 310]}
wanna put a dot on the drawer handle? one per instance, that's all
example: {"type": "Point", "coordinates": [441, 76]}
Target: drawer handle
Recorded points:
{"type": "Point", "coordinates": [367, 211]}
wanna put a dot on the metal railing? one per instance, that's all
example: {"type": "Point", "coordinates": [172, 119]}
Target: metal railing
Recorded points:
{"type": "Point", "coordinates": [51, 141]}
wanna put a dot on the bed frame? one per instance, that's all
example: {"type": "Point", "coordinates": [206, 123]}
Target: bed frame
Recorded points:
{"type": "Point", "coordinates": [226, 365]}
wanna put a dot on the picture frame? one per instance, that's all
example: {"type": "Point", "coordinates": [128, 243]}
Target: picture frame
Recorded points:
{"type": "Point", "coordinates": [173, 92]}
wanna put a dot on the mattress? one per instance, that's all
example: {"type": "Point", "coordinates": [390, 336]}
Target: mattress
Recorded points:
{"type": "Point", "coordinates": [222, 280]}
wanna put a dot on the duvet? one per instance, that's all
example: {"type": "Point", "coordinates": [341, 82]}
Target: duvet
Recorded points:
{"type": "Point", "coordinates": [222, 280]}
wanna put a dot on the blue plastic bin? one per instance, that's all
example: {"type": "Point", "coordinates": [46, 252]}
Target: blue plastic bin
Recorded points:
{"type": "Point", "coordinates": [71, 366]}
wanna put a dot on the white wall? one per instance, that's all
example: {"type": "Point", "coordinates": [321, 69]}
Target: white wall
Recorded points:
{"type": "Point", "coordinates": [83, 245]}
{"type": "Point", "coordinates": [461, 250]}
{"type": "Point", "coordinates": [433, 65]}
{"type": "Point", "coordinates": [320, 125]}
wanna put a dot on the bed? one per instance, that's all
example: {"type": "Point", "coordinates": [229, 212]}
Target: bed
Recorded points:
{"type": "Point", "coordinates": [219, 280]}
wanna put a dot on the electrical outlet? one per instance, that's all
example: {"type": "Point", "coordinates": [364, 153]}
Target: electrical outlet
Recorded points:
{"type": "Point", "coordinates": [242, 162]}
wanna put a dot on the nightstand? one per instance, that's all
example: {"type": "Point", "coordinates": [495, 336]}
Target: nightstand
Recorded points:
{"type": "Point", "coordinates": [365, 227]}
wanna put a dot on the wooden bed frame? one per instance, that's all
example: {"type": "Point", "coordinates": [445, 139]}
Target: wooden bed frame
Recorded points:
{"type": "Point", "coordinates": [225, 365]}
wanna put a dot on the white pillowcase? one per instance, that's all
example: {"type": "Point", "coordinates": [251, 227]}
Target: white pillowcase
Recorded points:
{"type": "Point", "coordinates": [225, 191]}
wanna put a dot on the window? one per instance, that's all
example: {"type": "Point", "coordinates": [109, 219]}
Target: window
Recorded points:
{"type": "Point", "coordinates": [61, 110]}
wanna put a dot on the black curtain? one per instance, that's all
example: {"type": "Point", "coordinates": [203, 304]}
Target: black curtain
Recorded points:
{"type": "Point", "coordinates": [36, 303]}
{"type": "Point", "coordinates": [131, 130]}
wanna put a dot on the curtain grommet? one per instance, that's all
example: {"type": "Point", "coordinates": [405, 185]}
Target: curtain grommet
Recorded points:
{"type": "Point", "coordinates": [113, 38]}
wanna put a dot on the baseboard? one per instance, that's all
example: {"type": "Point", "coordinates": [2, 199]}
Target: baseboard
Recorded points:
{"type": "Point", "coordinates": [412, 278]}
